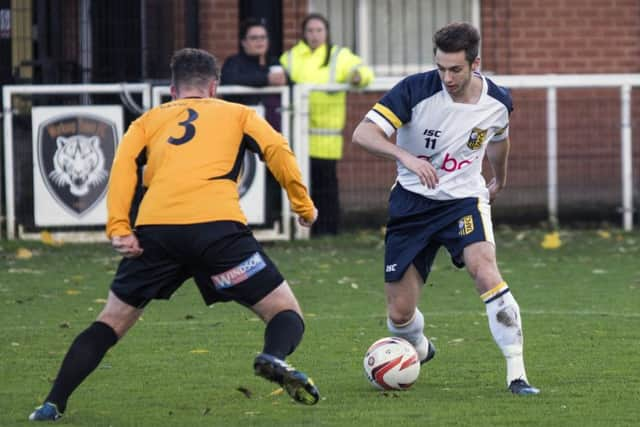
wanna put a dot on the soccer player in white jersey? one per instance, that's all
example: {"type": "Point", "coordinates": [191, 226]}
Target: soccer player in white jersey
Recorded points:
{"type": "Point", "coordinates": [446, 120]}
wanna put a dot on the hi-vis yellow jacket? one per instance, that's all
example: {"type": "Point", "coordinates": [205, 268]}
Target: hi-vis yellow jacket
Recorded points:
{"type": "Point", "coordinates": [327, 109]}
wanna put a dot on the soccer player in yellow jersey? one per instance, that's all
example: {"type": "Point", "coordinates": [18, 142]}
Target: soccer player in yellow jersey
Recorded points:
{"type": "Point", "coordinates": [190, 224]}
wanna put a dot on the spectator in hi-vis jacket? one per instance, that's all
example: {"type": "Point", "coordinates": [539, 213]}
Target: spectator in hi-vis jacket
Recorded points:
{"type": "Point", "coordinates": [314, 59]}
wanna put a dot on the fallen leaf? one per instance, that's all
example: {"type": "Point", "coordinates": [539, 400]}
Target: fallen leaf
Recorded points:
{"type": "Point", "coordinates": [48, 239]}
{"type": "Point", "coordinates": [100, 301]}
{"type": "Point", "coordinates": [277, 392]}
{"type": "Point", "coordinates": [551, 241]}
{"type": "Point", "coordinates": [199, 351]}
{"type": "Point", "coordinates": [24, 271]}
{"type": "Point", "coordinates": [24, 253]}
{"type": "Point", "coordinates": [72, 292]}
{"type": "Point", "coordinates": [604, 234]}
{"type": "Point", "coordinates": [205, 411]}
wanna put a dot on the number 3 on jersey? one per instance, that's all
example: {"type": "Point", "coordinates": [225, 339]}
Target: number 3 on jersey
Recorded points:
{"type": "Point", "coordinates": [189, 129]}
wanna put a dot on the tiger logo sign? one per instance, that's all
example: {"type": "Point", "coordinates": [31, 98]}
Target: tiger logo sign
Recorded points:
{"type": "Point", "coordinates": [75, 156]}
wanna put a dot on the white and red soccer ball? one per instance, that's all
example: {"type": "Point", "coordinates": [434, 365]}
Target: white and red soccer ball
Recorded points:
{"type": "Point", "coordinates": [391, 364]}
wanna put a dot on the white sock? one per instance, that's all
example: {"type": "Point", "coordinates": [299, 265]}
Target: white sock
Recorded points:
{"type": "Point", "coordinates": [412, 331]}
{"type": "Point", "coordinates": [506, 327]}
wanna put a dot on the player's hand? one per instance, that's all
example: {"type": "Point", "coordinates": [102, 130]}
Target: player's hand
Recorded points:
{"type": "Point", "coordinates": [127, 246]}
{"type": "Point", "coordinates": [422, 168]}
{"type": "Point", "coordinates": [494, 188]}
{"type": "Point", "coordinates": [356, 78]}
{"type": "Point", "coordinates": [277, 79]}
{"type": "Point", "coordinates": [303, 222]}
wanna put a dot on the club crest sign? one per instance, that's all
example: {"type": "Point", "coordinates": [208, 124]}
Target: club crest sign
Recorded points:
{"type": "Point", "coordinates": [476, 138]}
{"type": "Point", "coordinates": [73, 153]}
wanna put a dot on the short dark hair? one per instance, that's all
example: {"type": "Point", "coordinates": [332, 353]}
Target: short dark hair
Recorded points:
{"type": "Point", "coordinates": [249, 23]}
{"type": "Point", "coordinates": [193, 68]}
{"type": "Point", "coordinates": [458, 36]}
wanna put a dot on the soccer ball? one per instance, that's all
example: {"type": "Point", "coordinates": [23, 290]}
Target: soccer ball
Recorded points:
{"type": "Point", "coordinates": [391, 364]}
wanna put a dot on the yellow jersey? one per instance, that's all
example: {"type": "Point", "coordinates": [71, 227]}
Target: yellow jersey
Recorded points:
{"type": "Point", "coordinates": [194, 149]}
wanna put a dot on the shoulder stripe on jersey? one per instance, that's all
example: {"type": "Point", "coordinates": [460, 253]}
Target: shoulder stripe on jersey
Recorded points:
{"type": "Point", "coordinates": [408, 93]}
{"type": "Point", "coordinates": [388, 115]}
{"type": "Point", "coordinates": [501, 94]}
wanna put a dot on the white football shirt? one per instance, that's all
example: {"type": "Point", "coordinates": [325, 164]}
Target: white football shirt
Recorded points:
{"type": "Point", "coordinates": [452, 136]}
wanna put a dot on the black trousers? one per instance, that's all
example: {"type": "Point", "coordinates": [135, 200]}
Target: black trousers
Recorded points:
{"type": "Point", "coordinates": [325, 195]}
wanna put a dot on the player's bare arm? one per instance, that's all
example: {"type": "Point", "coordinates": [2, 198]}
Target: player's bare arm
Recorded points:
{"type": "Point", "coordinates": [372, 138]}
{"type": "Point", "coordinates": [498, 154]}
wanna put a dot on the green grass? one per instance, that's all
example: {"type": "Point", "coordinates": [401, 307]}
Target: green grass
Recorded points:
{"type": "Point", "coordinates": [580, 306]}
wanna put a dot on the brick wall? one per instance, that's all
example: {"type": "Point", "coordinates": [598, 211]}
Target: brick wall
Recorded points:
{"type": "Point", "coordinates": [561, 36]}
{"type": "Point", "coordinates": [219, 27]}
{"type": "Point", "coordinates": [293, 13]}
{"type": "Point", "coordinates": [564, 37]}
{"type": "Point", "coordinates": [519, 37]}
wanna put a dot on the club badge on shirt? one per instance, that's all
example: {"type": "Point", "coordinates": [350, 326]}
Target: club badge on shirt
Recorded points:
{"type": "Point", "coordinates": [476, 138]}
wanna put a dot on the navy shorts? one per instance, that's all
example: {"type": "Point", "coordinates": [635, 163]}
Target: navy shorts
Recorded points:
{"type": "Point", "coordinates": [418, 226]}
{"type": "Point", "coordinates": [223, 257]}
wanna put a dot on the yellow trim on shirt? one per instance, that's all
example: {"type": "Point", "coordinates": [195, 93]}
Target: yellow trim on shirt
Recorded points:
{"type": "Point", "coordinates": [388, 114]}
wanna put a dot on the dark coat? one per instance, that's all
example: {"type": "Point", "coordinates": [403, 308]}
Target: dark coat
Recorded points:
{"type": "Point", "coordinates": [244, 70]}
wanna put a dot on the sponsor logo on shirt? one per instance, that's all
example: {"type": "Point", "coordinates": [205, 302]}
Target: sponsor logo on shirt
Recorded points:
{"type": "Point", "coordinates": [465, 225]}
{"type": "Point", "coordinates": [451, 164]}
{"type": "Point", "coordinates": [241, 272]}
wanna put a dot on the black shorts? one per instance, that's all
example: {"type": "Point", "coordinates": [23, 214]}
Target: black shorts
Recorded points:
{"type": "Point", "coordinates": [223, 257]}
{"type": "Point", "coordinates": [418, 226]}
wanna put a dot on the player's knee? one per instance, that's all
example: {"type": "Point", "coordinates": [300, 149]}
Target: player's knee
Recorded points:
{"type": "Point", "coordinates": [401, 315]}
{"type": "Point", "coordinates": [485, 275]}
{"type": "Point", "coordinates": [120, 323]}
{"type": "Point", "coordinates": [279, 300]}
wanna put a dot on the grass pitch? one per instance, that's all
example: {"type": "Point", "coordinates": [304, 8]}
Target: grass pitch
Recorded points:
{"type": "Point", "coordinates": [185, 364]}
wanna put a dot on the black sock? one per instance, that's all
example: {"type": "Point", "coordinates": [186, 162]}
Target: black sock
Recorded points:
{"type": "Point", "coordinates": [283, 334]}
{"type": "Point", "coordinates": [83, 357]}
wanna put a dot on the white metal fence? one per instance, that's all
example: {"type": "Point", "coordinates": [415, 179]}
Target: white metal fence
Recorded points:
{"type": "Point", "coordinates": [550, 84]}
{"type": "Point", "coordinates": [550, 132]}
{"type": "Point", "coordinates": [15, 224]}
{"type": "Point", "coordinates": [12, 226]}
